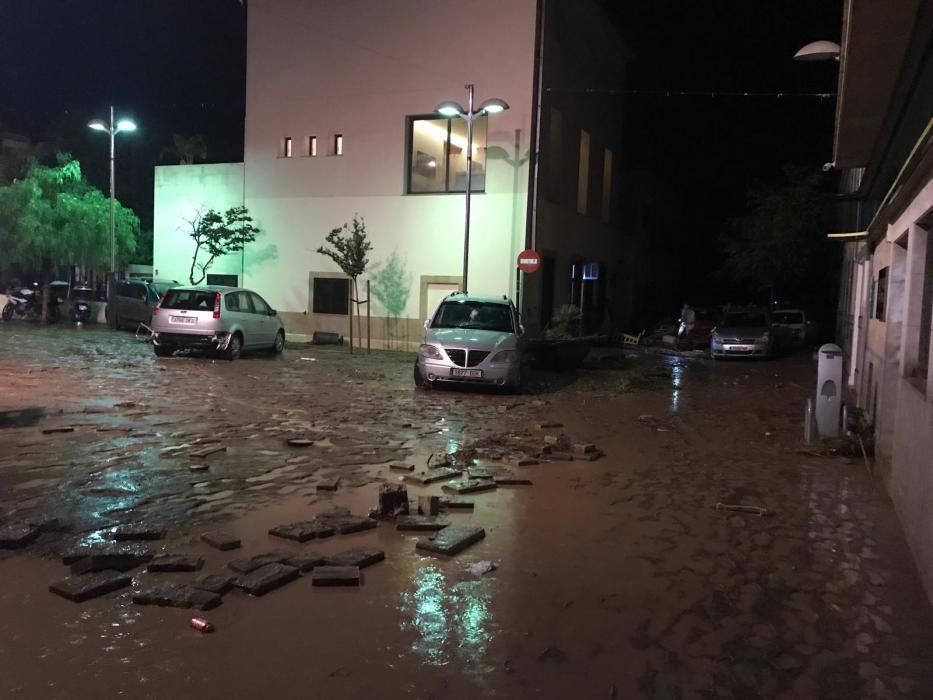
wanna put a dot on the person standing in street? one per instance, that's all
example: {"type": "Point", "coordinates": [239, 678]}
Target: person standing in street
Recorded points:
{"type": "Point", "coordinates": [687, 321]}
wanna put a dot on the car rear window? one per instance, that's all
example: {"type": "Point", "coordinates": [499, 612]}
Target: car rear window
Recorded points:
{"type": "Point", "coordinates": [480, 315]}
{"type": "Point", "coordinates": [740, 320]}
{"type": "Point", "coordinates": [788, 317]}
{"type": "Point", "coordinates": [189, 299]}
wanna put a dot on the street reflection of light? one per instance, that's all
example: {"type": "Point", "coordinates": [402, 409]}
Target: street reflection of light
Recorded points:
{"type": "Point", "coordinates": [428, 617]}
{"type": "Point", "coordinates": [676, 382]}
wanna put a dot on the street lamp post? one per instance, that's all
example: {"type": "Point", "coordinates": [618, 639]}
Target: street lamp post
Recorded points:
{"type": "Point", "coordinates": [452, 109]}
{"type": "Point", "coordinates": [113, 130]}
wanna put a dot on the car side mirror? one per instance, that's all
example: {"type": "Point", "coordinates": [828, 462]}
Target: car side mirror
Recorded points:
{"type": "Point", "coordinates": [273, 312]}
{"type": "Point", "coordinates": [427, 323]}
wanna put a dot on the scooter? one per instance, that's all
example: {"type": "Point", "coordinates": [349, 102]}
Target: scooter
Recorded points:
{"type": "Point", "coordinates": [80, 299]}
{"type": "Point", "coordinates": [20, 302]}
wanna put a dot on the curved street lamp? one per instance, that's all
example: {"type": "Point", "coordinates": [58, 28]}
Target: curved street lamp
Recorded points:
{"type": "Point", "coordinates": [451, 109]}
{"type": "Point", "coordinates": [122, 125]}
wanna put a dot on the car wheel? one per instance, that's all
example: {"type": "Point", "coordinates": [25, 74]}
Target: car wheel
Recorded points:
{"type": "Point", "coordinates": [279, 345]}
{"type": "Point", "coordinates": [233, 347]}
{"type": "Point", "coordinates": [162, 351]}
{"type": "Point", "coordinates": [419, 380]}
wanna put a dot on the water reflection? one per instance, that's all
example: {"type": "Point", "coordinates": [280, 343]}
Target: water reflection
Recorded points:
{"type": "Point", "coordinates": [677, 372]}
{"type": "Point", "coordinates": [453, 621]}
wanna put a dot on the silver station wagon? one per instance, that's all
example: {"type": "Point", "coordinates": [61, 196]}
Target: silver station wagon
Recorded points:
{"type": "Point", "coordinates": [471, 339]}
{"type": "Point", "coordinates": [221, 320]}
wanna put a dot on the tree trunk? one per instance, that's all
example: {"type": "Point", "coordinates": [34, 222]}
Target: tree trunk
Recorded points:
{"type": "Point", "coordinates": [46, 291]}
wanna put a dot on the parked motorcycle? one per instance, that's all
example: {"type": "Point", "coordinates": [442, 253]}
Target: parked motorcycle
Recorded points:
{"type": "Point", "coordinates": [80, 302]}
{"type": "Point", "coordinates": [26, 302]}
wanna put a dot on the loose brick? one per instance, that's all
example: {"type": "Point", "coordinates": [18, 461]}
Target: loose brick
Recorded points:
{"type": "Point", "coordinates": [402, 467]}
{"type": "Point", "coordinates": [267, 578]}
{"type": "Point", "coordinates": [470, 486]}
{"type": "Point", "coordinates": [125, 533]}
{"type": "Point", "coordinates": [245, 566]}
{"type": "Point", "coordinates": [584, 448]}
{"type": "Point", "coordinates": [591, 456]}
{"type": "Point", "coordinates": [300, 442]}
{"type": "Point", "coordinates": [335, 576]}
{"type": "Point", "coordinates": [351, 525]}
{"type": "Point", "coordinates": [174, 595]}
{"type": "Point", "coordinates": [512, 480]}
{"type": "Point", "coordinates": [223, 541]}
{"type": "Point", "coordinates": [215, 583]}
{"type": "Point", "coordinates": [434, 475]}
{"type": "Point", "coordinates": [81, 588]}
{"type": "Point", "coordinates": [357, 557]}
{"type": "Point", "coordinates": [298, 532]}
{"type": "Point", "coordinates": [16, 536]}
{"type": "Point", "coordinates": [307, 562]}
{"type": "Point", "coordinates": [116, 557]}
{"type": "Point", "coordinates": [451, 540]}
{"type": "Point", "coordinates": [548, 425]}
{"type": "Point", "coordinates": [423, 523]}
{"type": "Point", "coordinates": [328, 484]}
{"type": "Point", "coordinates": [175, 562]}
{"type": "Point", "coordinates": [455, 503]}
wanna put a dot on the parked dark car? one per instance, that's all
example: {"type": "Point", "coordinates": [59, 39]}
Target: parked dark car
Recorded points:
{"type": "Point", "coordinates": [132, 302]}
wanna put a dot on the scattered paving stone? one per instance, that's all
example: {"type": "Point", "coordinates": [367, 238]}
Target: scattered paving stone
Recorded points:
{"type": "Point", "coordinates": [199, 467]}
{"type": "Point", "coordinates": [124, 533]}
{"type": "Point", "coordinates": [548, 425]}
{"type": "Point", "coordinates": [423, 523]}
{"type": "Point", "coordinates": [60, 429]}
{"type": "Point", "coordinates": [429, 505]}
{"type": "Point", "coordinates": [455, 503]}
{"type": "Point", "coordinates": [554, 440]}
{"type": "Point", "coordinates": [353, 524]}
{"type": "Point", "coordinates": [207, 451]}
{"type": "Point", "coordinates": [16, 536]}
{"type": "Point", "coordinates": [81, 588]}
{"type": "Point", "coordinates": [590, 456]}
{"type": "Point", "coordinates": [402, 467]}
{"type": "Point", "coordinates": [117, 558]}
{"type": "Point", "coordinates": [215, 583]}
{"type": "Point", "coordinates": [584, 448]}
{"type": "Point", "coordinates": [175, 562]}
{"type": "Point", "coordinates": [328, 483]}
{"type": "Point", "coordinates": [335, 576]}
{"type": "Point", "coordinates": [245, 566]}
{"type": "Point", "coordinates": [470, 486]}
{"type": "Point", "coordinates": [267, 578]}
{"type": "Point", "coordinates": [299, 532]}
{"type": "Point", "coordinates": [521, 461]}
{"type": "Point", "coordinates": [512, 480]}
{"type": "Point", "coordinates": [307, 562]}
{"type": "Point", "coordinates": [435, 475]}
{"type": "Point", "coordinates": [300, 442]}
{"type": "Point", "coordinates": [221, 540]}
{"type": "Point", "coordinates": [175, 595]}
{"type": "Point", "coordinates": [393, 500]}
{"type": "Point", "coordinates": [451, 540]}
{"type": "Point", "coordinates": [357, 557]}
{"type": "Point", "coordinates": [560, 456]}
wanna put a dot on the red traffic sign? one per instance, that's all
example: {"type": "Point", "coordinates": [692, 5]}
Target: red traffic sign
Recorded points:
{"type": "Point", "coordinates": [529, 261]}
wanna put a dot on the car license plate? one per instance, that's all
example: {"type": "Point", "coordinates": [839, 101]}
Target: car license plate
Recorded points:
{"type": "Point", "coordinates": [182, 319]}
{"type": "Point", "coordinates": [739, 348]}
{"type": "Point", "coordinates": [469, 373]}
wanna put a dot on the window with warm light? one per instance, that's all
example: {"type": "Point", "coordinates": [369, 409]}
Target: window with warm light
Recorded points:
{"type": "Point", "coordinates": [437, 159]}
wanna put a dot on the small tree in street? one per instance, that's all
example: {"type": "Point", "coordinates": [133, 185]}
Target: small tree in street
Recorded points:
{"type": "Point", "coordinates": [349, 247]}
{"type": "Point", "coordinates": [391, 286]}
{"type": "Point", "coordinates": [217, 234]}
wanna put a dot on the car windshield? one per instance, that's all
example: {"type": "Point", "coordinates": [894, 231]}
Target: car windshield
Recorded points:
{"type": "Point", "coordinates": [788, 317]}
{"type": "Point", "coordinates": [746, 319]}
{"type": "Point", "coordinates": [189, 299]}
{"type": "Point", "coordinates": [161, 287]}
{"type": "Point", "coordinates": [481, 315]}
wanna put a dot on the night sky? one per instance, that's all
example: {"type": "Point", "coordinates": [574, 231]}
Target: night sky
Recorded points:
{"type": "Point", "coordinates": [178, 66]}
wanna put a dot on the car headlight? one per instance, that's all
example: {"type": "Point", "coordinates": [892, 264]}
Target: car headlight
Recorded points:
{"type": "Point", "coordinates": [431, 352]}
{"type": "Point", "coordinates": [505, 356]}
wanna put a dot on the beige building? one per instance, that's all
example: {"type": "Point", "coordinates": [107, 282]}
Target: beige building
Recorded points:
{"type": "Point", "coordinates": [340, 122]}
{"type": "Point", "coordinates": [884, 145]}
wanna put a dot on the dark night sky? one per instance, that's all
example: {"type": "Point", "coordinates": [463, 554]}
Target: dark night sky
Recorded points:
{"type": "Point", "coordinates": [178, 66]}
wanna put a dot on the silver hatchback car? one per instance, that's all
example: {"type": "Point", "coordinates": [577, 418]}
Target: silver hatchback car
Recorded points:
{"type": "Point", "coordinates": [471, 339]}
{"type": "Point", "coordinates": [224, 320]}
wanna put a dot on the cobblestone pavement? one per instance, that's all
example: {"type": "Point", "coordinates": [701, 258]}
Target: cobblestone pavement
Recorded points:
{"type": "Point", "coordinates": [616, 577]}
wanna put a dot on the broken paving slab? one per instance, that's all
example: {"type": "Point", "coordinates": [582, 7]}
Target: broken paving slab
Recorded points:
{"type": "Point", "coordinates": [421, 523]}
{"type": "Point", "coordinates": [328, 483]}
{"type": "Point", "coordinates": [175, 562]}
{"type": "Point", "coordinates": [470, 486]}
{"type": "Point", "coordinates": [174, 595]}
{"type": "Point", "coordinates": [301, 532]}
{"type": "Point", "coordinates": [223, 541]}
{"type": "Point", "coordinates": [267, 578]}
{"type": "Point", "coordinates": [451, 540]}
{"type": "Point", "coordinates": [357, 557]}
{"type": "Point", "coordinates": [245, 566]}
{"type": "Point", "coordinates": [125, 533]}
{"type": "Point", "coordinates": [117, 557]}
{"type": "Point", "coordinates": [307, 562]}
{"type": "Point", "coordinates": [215, 583]}
{"type": "Point", "coordinates": [16, 536]}
{"type": "Point", "coordinates": [88, 586]}
{"type": "Point", "coordinates": [335, 576]}
{"type": "Point", "coordinates": [402, 466]}
{"type": "Point", "coordinates": [350, 525]}
{"type": "Point", "coordinates": [440, 474]}
{"type": "Point", "coordinates": [208, 451]}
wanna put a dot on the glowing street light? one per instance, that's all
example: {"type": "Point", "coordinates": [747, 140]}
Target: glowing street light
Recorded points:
{"type": "Point", "coordinates": [451, 109]}
{"type": "Point", "coordinates": [122, 125]}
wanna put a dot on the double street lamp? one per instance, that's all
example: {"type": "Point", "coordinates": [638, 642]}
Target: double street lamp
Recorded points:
{"type": "Point", "coordinates": [451, 109]}
{"type": "Point", "coordinates": [112, 129]}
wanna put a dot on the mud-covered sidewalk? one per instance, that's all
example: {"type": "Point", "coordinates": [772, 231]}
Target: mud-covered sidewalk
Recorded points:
{"type": "Point", "coordinates": [617, 577]}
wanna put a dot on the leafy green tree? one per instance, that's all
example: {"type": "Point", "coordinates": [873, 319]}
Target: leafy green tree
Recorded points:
{"type": "Point", "coordinates": [773, 247]}
{"type": "Point", "coordinates": [349, 248]}
{"type": "Point", "coordinates": [53, 218]}
{"type": "Point", "coordinates": [217, 234]}
{"type": "Point", "coordinates": [392, 286]}
{"type": "Point", "coordinates": [187, 150]}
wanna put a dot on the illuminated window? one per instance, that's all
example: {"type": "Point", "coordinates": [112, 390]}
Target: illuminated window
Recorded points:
{"type": "Point", "coordinates": [286, 147]}
{"type": "Point", "coordinates": [311, 149]}
{"type": "Point", "coordinates": [437, 159]}
{"type": "Point", "coordinates": [338, 144]}
{"type": "Point", "coordinates": [583, 175]}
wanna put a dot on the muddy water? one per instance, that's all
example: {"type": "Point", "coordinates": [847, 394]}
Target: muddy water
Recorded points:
{"type": "Point", "coordinates": [616, 578]}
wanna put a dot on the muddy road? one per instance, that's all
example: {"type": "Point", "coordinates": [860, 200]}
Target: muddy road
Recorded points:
{"type": "Point", "coordinates": [616, 577]}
